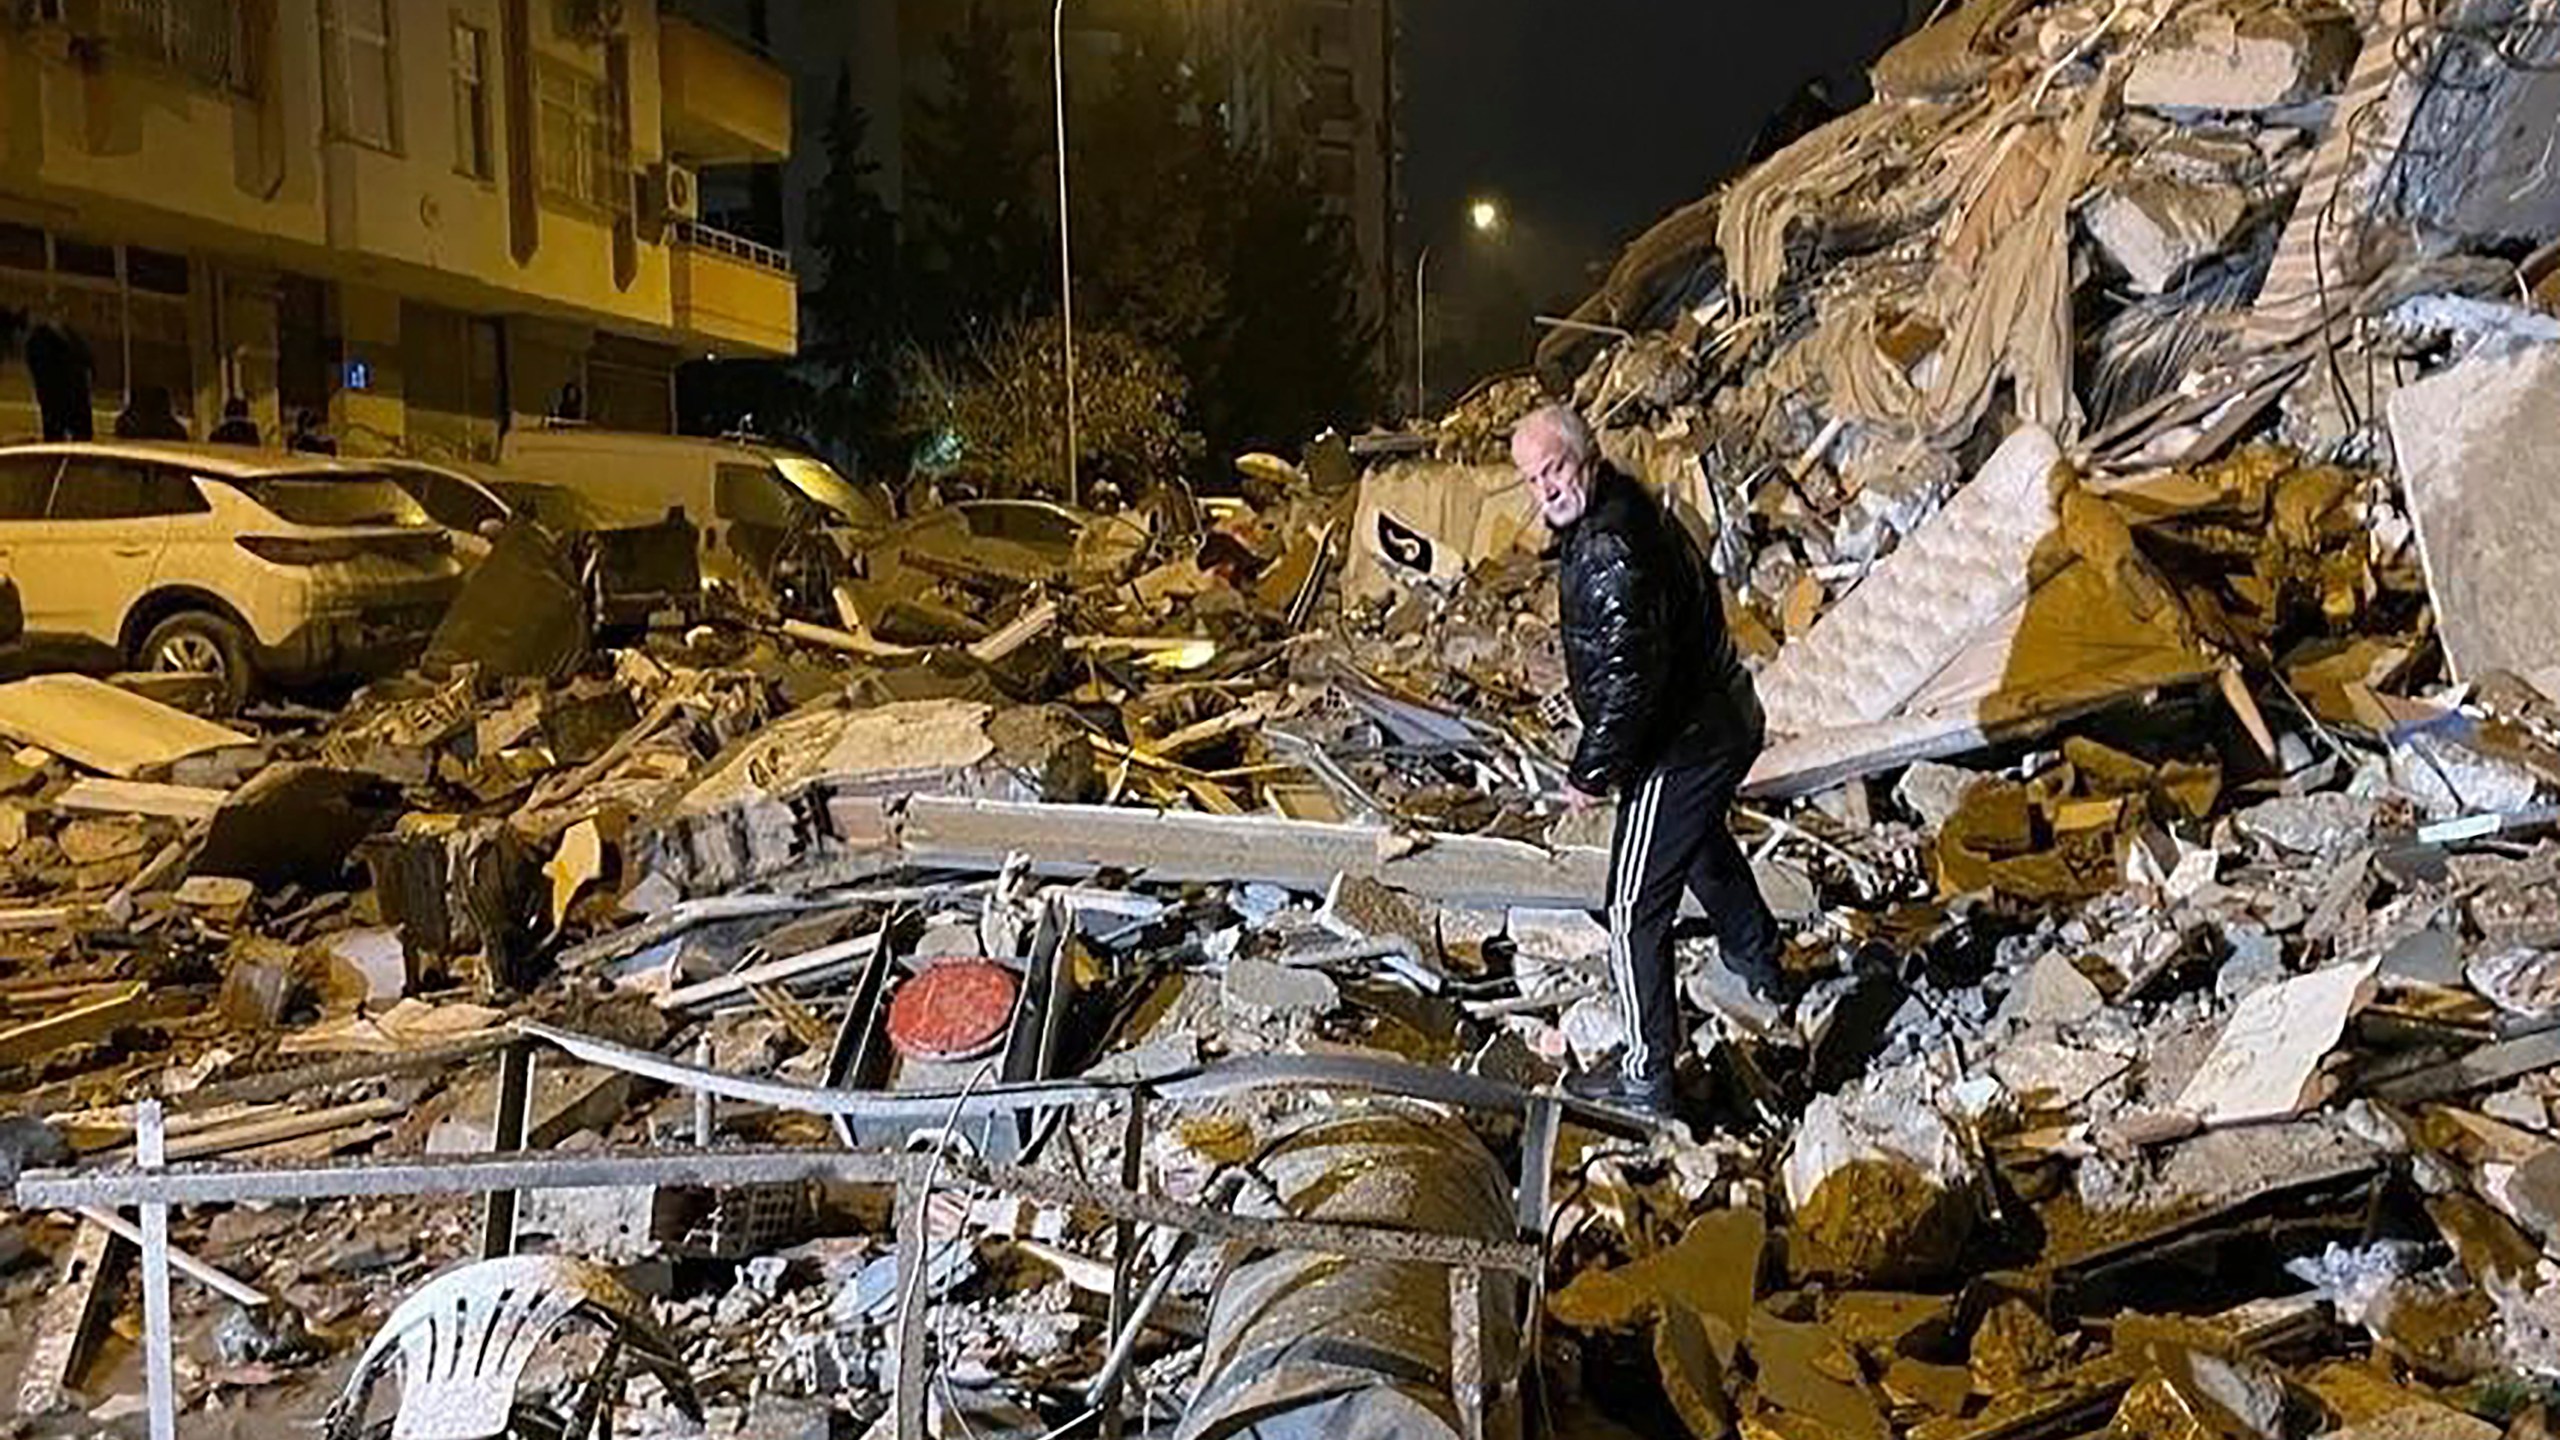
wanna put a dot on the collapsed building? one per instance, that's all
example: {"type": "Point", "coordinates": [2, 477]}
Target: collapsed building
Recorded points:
{"type": "Point", "coordinates": [1094, 1000]}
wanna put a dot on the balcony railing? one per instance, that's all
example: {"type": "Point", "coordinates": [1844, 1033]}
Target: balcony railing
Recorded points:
{"type": "Point", "coordinates": [698, 236]}
{"type": "Point", "coordinates": [203, 40]}
{"type": "Point", "coordinates": [206, 42]}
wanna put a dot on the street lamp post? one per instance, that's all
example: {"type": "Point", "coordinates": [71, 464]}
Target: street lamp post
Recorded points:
{"type": "Point", "coordinates": [1066, 254]}
{"type": "Point", "coordinates": [1485, 217]}
{"type": "Point", "coordinates": [1421, 264]}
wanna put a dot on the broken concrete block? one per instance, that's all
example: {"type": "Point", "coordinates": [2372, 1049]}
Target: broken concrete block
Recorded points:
{"type": "Point", "coordinates": [2055, 1079]}
{"type": "Point", "coordinates": [1881, 1184]}
{"type": "Point", "coordinates": [2328, 823]}
{"type": "Point", "coordinates": [1805, 1371]}
{"type": "Point", "coordinates": [2266, 1064]}
{"type": "Point", "coordinates": [1934, 792]}
{"type": "Point", "coordinates": [1693, 1371]}
{"type": "Point", "coordinates": [217, 893]}
{"type": "Point", "coordinates": [2522, 981]}
{"type": "Point", "coordinates": [2533, 1193]}
{"type": "Point", "coordinates": [2157, 227]}
{"type": "Point", "coordinates": [2450, 780]}
{"type": "Point", "coordinates": [1557, 936]}
{"type": "Point", "coordinates": [1594, 1029]}
{"type": "Point", "coordinates": [2229, 57]}
{"type": "Point", "coordinates": [257, 983]}
{"type": "Point", "coordinates": [363, 967]}
{"type": "Point", "coordinates": [1712, 1273]}
{"type": "Point", "coordinates": [2479, 449]}
{"type": "Point", "coordinates": [2054, 993]}
{"type": "Point", "coordinates": [1262, 990]}
{"type": "Point", "coordinates": [2420, 1420]}
{"type": "Point", "coordinates": [92, 840]}
{"type": "Point", "coordinates": [2013, 1347]}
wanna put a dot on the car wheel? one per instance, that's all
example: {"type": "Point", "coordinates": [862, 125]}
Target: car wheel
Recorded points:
{"type": "Point", "coordinates": [196, 643]}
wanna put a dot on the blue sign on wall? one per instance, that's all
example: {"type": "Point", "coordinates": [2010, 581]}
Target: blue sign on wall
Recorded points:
{"type": "Point", "coordinates": [359, 374]}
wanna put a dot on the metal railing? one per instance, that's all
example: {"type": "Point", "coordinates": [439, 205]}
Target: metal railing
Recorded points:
{"type": "Point", "coordinates": [696, 235]}
{"type": "Point", "coordinates": [203, 40]}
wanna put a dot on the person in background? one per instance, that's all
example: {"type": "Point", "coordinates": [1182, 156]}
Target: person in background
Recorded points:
{"type": "Point", "coordinates": [59, 362]}
{"type": "Point", "coordinates": [307, 436]}
{"type": "Point", "coordinates": [150, 416]}
{"type": "Point", "coordinates": [570, 404]}
{"type": "Point", "coordinates": [1670, 726]}
{"type": "Point", "coordinates": [236, 427]}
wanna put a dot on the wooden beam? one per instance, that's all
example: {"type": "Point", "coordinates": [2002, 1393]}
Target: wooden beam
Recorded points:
{"type": "Point", "coordinates": [39, 1038]}
{"type": "Point", "coordinates": [134, 797]}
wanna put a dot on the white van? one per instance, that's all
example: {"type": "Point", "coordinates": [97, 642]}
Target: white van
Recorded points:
{"type": "Point", "coordinates": [759, 507]}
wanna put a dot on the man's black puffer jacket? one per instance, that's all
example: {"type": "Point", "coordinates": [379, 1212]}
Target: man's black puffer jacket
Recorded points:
{"type": "Point", "coordinates": [1654, 673]}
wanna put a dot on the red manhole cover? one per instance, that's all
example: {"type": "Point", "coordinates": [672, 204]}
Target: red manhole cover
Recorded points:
{"type": "Point", "coordinates": [956, 1010]}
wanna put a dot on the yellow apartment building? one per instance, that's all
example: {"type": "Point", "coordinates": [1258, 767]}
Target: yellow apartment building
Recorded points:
{"type": "Point", "coordinates": [420, 218]}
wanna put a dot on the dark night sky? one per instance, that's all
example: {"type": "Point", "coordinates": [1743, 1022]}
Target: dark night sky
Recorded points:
{"type": "Point", "coordinates": [1589, 119]}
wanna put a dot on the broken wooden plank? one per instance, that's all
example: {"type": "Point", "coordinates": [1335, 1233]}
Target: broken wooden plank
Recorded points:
{"type": "Point", "coordinates": [2484, 1067]}
{"type": "Point", "coordinates": [1170, 846]}
{"type": "Point", "coordinates": [231, 1139]}
{"type": "Point", "coordinates": [825, 960]}
{"type": "Point", "coordinates": [37, 917]}
{"type": "Point", "coordinates": [103, 728]}
{"type": "Point", "coordinates": [219, 1282]}
{"type": "Point", "coordinates": [135, 797]}
{"type": "Point", "coordinates": [38, 1038]}
{"type": "Point", "coordinates": [1024, 628]}
{"type": "Point", "coordinates": [71, 1320]}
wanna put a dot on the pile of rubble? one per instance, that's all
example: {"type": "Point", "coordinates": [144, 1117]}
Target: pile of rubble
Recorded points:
{"type": "Point", "coordinates": [1130, 992]}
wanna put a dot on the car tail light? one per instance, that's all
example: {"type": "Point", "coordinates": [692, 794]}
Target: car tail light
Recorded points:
{"type": "Point", "coordinates": [289, 550]}
{"type": "Point", "coordinates": [284, 551]}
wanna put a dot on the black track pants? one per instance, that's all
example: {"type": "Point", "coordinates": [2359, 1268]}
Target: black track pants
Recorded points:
{"type": "Point", "coordinates": [1673, 831]}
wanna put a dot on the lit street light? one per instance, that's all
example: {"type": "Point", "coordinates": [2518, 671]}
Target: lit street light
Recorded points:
{"type": "Point", "coordinates": [1484, 215]}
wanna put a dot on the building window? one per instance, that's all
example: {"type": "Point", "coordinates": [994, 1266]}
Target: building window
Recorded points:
{"type": "Point", "coordinates": [583, 144]}
{"type": "Point", "coordinates": [22, 247]}
{"type": "Point", "coordinates": [356, 37]}
{"type": "Point", "coordinates": [471, 101]}
{"type": "Point", "coordinates": [1337, 172]}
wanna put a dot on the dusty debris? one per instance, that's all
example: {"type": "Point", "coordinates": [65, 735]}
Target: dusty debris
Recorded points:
{"type": "Point", "coordinates": [1004, 949]}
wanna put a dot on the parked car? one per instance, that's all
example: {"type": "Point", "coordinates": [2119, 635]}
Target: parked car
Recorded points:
{"type": "Point", "coordinates": [462, 498]}
{"type": "Point", "coordinates": [770, 519]}
{"type": "Point", "coordinates": [248, 565]}
{"type": "Point", "coordinates": [1020, 540]}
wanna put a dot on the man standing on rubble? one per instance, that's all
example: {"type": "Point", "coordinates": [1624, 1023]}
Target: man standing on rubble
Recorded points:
{"type": "Point", "coordinates": [1670, 725]}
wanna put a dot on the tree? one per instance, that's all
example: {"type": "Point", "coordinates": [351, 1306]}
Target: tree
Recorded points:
{"type": "Point", "coordinates": [978, 230]}
{"type": "Point", "coordinates": [1150, 205]}
{"type": "Point", "coordinates": [855, 319]}
{"type": "Point", "coordinates": [1219, 255]}
{"type": "Point", "coordinates": [991, 406]}
{"type": "Point", "coordinates": [1300, 356]}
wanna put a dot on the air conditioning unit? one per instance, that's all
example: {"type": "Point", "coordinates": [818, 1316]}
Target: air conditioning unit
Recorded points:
{"type": "Point", "coordinates": [671, 192]}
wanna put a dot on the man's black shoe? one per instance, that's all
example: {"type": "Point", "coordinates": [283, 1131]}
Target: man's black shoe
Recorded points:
{"type": "Point", "coordinates": [1768, 979]}
{"type": "Point", "coordinates": [1647, 1095]}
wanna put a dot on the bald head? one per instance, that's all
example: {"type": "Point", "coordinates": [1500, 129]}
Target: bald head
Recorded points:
{"type": "Point", "coordinates": [1557, 456]}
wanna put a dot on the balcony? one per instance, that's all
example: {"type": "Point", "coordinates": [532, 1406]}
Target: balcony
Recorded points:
{"type": "Point", "coordinates": [205, 43]}
{"type": "Point", "coordinates": [732, 295]}
{"type": "Point", "coordinates": [724, 104]}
